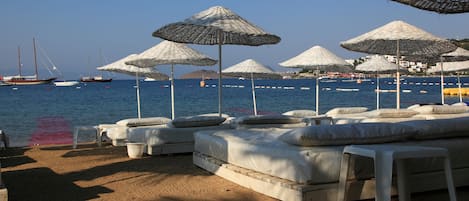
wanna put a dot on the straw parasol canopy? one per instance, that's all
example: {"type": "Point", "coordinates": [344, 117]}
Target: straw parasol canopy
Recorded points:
{"type": "Point", "coordinates": [120, 66]}
{"type": "Point", "coordinates": [318, 58]}
{"type": "Point", "coordinates": [216, 26]}
{"type": "Point", "coordinates": [439, 6]}
{"type": "Point", "coordinates": [249, 67]}
{"type": "Point", "coordinates": [376, 64]}
{"type": "Point", "coordinates": [168, 52]}
{"type": "Point", "coordinates": [460, 54]}
{"type": "Point", "coordinates": [204, 29]}
{"type": "Point", "coordinates": [399, 38]}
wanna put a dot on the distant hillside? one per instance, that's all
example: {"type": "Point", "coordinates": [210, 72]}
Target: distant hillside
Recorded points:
{"type": "Point", "coordinates": [464, 43]}
{"type": "Point", "coordinates": [210, 74]}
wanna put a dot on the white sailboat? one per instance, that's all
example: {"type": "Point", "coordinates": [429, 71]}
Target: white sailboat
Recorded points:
{"type": "Point", "coordinates": [65, 83]}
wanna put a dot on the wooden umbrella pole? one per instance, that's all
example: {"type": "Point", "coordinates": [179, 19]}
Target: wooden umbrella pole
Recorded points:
{"type": "Point", "coordinates": [220, 38]}
{"type": "Point", "coordinates": [317, 91]}
{"type": "Point", "coordinates": [138, 95]}
{"type": "Point", "coordinates": [398, 79]}
{"type": "Point", "coordinates": [377, 90]}
{"type": "Point", "coordinates": [253, 94]}
{"type": "Point", "coordinates": [459, 88]}
{"type": "Point", "coordinates": [442, 82]}
{"type": "Point", "coordinates": [172, 92]}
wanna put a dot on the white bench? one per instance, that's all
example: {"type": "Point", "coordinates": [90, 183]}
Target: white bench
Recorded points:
{"type": "Point", "coordinates": [383, 156]}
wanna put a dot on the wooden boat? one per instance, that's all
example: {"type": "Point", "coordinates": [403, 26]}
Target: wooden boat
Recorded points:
{"type": "Point", "coordinates": [27, 80]}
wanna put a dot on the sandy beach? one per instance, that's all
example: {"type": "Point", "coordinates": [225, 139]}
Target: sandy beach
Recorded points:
{"type": "Point", "coordinates": [106, 173]}
{"type": "Point", "coordinates": [89, 172]}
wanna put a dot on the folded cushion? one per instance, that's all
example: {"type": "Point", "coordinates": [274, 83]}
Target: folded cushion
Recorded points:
{"type": "Point", "coordinates": [268, 119]}
{"type": "Point", "coordinates": [441, 109]}
{"type": "Point", "coordinates": [357, 133]}
{"type": "Point", "coordinates": [459, 104]}
{"type": "Point", "coordinates": [440, 128]}
{"type": "Point", "coordinates": [391, 113]}
{"type": "Point", "coordinates": [149, 121]}
{"type": "Point", "coordinates": [346, 110]}
{"type": "Point", "coordinates": [300, 113]}
{"type": "Point", "coordinates": [196, 121]}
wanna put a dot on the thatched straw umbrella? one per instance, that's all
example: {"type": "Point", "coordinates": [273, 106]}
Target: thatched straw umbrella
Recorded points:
{"type": "Point", "coordinates": [317, 58]}
{"type": "Point", "coordinates": [120, 67]}
{"type": "Point", "coordinates": [376, 64]}
{"type": "Point", "coordinates": [168, 52]}
{"type": "Point", "coordinates": [399, 38]}
{"type": "Point", "coordinates": [250, 68]}
{"type": "Point", "coordinates": [216, 26]}
{"type": "Point", "coordinates": [439, 6]}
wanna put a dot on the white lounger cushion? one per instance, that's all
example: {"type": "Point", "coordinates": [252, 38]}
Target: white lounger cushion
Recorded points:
{"type": "Point", "coordinates": [268, 119]}
{"type": "Point", "coordinates": [440, 128]}
{"type": "Point", "coordinates": [346, 110]}
{"type": "Point", "coordinates": [357, 133]}
{"type": "Point", "coordinates": [149, 121]}
{"type": "Point", "coordinates": [440, 109]}
{"type": "Point", "coordinates": [391, 113]}
{"type": "Point", "coordinates": [196, 121]}
{"type": "Point", "coordinates": [300, 113]}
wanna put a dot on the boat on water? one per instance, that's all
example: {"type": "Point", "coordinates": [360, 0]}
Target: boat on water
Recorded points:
{"type": "Point", "coordinates": [149, 79]}
{"type": "Point", "coordinates": [95, 79]}
{"type": "Point", "coordinates": [27, 80]}
{"type": "Point", "coordinates": [65, 83]}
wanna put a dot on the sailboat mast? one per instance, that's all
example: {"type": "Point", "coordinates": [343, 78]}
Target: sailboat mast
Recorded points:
{"type": "Point", "coordinates": [35, 58]}
{"type": "Point", "coordinates": [19, 61]}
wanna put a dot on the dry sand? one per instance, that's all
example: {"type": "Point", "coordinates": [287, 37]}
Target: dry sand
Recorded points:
{"type": "Point", "coordinates": [106, 173]}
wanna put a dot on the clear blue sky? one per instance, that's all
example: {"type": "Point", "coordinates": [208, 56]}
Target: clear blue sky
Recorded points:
{"type": "Point", "coordinates": [74, 33]}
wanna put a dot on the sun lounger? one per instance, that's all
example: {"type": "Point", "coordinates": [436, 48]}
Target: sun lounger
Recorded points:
{"type": "Point", "coordinates": [390, 115]}
{"type": "Point", "coordinates": [441, 111]}
{"type": "Point", "coordinates": [118, 132]}
{"type": "Point", "coordinates": [304, 163]}
{"type": "Point", "coordinates": [177, 136]}
{"type": "Point", "coordinates": [268, 122]}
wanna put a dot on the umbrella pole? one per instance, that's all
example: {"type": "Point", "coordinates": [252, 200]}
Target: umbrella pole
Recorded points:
{"type": "Point", "coordinates": [317, 92]}
{"type": "Point", "coordinates": [398, 79]}
{"type": "Point", "coordinates": [377, 90]}
{"type": "Point", "coordinates": [459, 88]}
{"type": "Point", "coordinates": [253, 94]}
{"type": "Point", "coordinates": [220, 35]}
{"type": "Point", "coordinates": [172, 92]}
{"type": "Point", "coordinates": [442, 82]}
{"type": "Point", "coordinates": [138, 95]}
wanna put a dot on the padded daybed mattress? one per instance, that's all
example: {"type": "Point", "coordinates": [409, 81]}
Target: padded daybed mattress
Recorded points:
{"type": "Point", "coordinates": [164, 135]}
{"type": "Point", "coordinates": [263, 152]}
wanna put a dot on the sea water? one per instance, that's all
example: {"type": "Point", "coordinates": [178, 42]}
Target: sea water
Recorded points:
{"type": "Point", "coordinates": [23, 108]}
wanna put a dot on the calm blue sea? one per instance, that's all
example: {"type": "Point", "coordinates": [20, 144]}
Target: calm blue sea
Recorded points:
{"type": "Point", "coordinates": [96, 103]}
